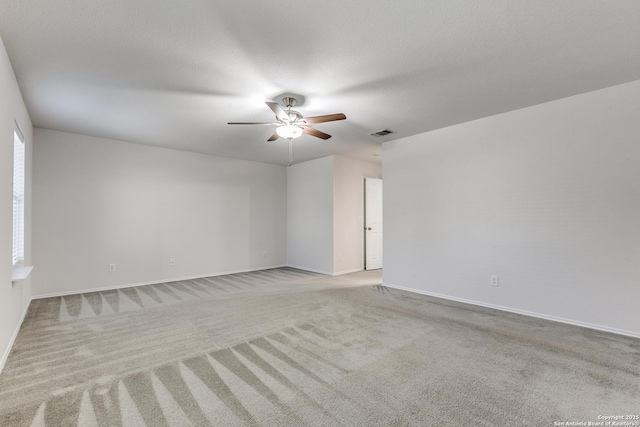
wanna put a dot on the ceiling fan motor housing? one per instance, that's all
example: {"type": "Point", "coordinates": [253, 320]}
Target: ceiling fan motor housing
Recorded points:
{"type": "Point", "coordinates": [294, 116]}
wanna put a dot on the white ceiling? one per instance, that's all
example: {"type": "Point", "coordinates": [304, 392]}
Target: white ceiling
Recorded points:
{"type": "Point", "coordinates": [172, 73]}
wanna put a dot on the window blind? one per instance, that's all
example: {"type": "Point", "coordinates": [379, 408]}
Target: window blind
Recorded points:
{"type": "Point", "coordinates": [18, 197]}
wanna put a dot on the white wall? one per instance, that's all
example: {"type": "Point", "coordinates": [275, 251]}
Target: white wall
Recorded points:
{"type": "Point", "coordinates": [310, 215]}
{"type": "Point", "coordinates": [100, 201]}
{"type": "Point", "coordinates": [14, 298]}
{"type": "Point", "coordinates": [325, 208]}
{"type": "Point", "coordinates": [348, 230]}
{"type": "Point", "coordinates": [546, 197]}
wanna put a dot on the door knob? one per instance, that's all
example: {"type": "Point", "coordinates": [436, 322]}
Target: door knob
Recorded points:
{"type": "Point", "coordinates": [369, 228]}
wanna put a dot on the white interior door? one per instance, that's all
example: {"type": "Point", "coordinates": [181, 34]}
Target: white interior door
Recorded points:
{"type": "Point", "coordinates": [373, 223]}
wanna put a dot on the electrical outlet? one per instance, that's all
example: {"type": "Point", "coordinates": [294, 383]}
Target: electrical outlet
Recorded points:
{"type": "Point", "coordinates": [172, 261]}
{"type": "Point", "coordinates": [495, 281]}
{"type": "Point", "coordinates": [112, 268]}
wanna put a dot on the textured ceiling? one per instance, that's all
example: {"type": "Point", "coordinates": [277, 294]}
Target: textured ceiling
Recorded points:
{"type": "Point", "coordinates": [171, 73]}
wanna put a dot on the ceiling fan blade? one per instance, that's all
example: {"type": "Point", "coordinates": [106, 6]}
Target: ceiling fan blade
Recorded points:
{"type": "Point", "coordinates": [325, 118]}
{"type": "Point", "coordinates": [315, 132]}
{"type": "Point", "coordinates": [253, 123]}
{"type": "Point", "coordinates": [274, 137]}
{"type": "Point", "coordinates": [279, 112]}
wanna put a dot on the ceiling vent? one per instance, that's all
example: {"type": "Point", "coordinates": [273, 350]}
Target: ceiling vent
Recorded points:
{"type": "Point", "coordinates": [382, 132]}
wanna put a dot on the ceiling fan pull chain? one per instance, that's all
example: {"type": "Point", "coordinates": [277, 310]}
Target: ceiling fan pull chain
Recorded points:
{"type": "Point", "coordinates": [290, 151]}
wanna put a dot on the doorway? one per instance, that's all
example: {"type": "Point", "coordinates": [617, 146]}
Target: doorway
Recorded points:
{"type": "Point", "coordinates": [372, 223]}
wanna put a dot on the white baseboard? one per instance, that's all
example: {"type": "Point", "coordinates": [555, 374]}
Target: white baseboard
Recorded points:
{"type": "Point", "coordinates": [328, 273]}
{"type": "Point", "coordinates": [5, 356]}
{"type": "Point", "coordinates": [523, 312]}
{"type": "Point", "coordinates": [152, 282]}
{"type": "Point", "coordinates": [353, 270]}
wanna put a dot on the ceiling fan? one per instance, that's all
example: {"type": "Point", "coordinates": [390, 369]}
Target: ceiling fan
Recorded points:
{"type": "Point", "coordinates": [291, 124]}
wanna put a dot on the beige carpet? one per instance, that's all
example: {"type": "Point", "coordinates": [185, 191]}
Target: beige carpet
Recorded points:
{"type": "Point", "coordinates": [284, 347]}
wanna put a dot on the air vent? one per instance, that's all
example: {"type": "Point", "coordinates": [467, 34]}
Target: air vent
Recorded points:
{"type": "Point", "coordinates": [382, 132]}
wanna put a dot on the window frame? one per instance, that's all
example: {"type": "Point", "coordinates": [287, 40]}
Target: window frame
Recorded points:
{"type": "Point", "coordinates": [19, 160]}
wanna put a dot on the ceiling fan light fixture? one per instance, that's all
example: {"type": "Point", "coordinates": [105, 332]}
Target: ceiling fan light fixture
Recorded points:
{"type": "Point", "coordinates": [289, 131]}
